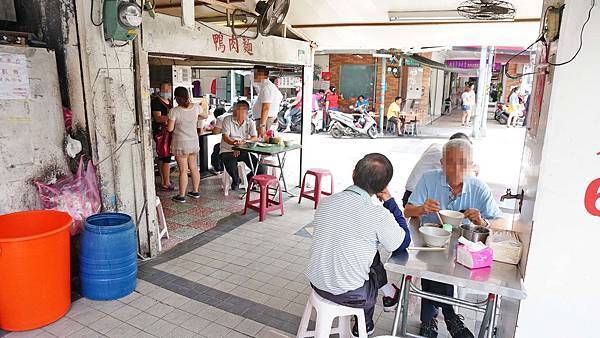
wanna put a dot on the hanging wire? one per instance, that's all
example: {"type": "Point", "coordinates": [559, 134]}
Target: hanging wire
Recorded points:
{"type": "Point", "coordinates": [92, 15]}
{"type": "Point", "coordinates": [580, 39]}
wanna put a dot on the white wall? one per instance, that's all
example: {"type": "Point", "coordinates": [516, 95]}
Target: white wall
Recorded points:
{"type": "Point", "coordinates": [31, 133]}
{"type": "Point", "coordinates": [562, 271]}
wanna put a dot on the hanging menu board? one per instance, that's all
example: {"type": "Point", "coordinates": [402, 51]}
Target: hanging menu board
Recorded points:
{"type": "Point", "coordinates": [14, 78]}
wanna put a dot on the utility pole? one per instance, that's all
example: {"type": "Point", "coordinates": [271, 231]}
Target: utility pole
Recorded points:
{"type": "Point", "coordinates": [382, 87]}
{"type": "Point", "coordinates": [486, 62]}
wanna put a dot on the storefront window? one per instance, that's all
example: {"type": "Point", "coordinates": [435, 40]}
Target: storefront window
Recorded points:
{"type": "Point", "coordinates": [357, 80]}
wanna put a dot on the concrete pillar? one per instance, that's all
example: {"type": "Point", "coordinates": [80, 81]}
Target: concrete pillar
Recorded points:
{"type": "Point", "coordinates": [382, 95]}
{"type": "Point", "coordinates": [119, 142]}
{"type": "Point", "coordinates": [307, 90]}
{"type": "Point", "coordinates": [485, 76]}
{"type": "Point", "coordinates": [188, 13]}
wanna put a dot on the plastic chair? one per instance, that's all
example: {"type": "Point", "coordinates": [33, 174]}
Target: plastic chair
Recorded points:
{"type": "Point", "coordinates": [327, 311]}
{"type": "Point", "coordinates": [316, 193]}
{"type": "Point", "coordinates": [265, 202]}
{"type": "Point", "coordinates": [162, 222]}
{"type": "Point", "coordinates": [226, 178]}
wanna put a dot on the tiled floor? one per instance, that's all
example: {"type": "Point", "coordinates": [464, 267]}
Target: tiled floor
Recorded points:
{"type": "Point", "coordinates": [232, 276]}
{"type": "Point", "coordinates": [242, 278]}
{"type": "Point", "coordinates": [185, 221]}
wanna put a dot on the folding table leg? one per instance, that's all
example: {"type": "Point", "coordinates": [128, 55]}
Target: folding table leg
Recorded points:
{"type": "Point", "coordinates": [487, 323]}
{"type": "Point", "coordinates": [401, 308]}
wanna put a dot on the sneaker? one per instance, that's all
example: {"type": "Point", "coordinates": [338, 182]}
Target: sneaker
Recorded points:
{"type": "Point", "coordinates": [429, 329]}
{"type": "Point", "coordinates": [457, 328]}
{"type": "Point", "coordinates": [179, 199]}
{"type": "Point", "coordinates": [193, 194]}
{"type": "Point", "coordinates": [370, 328]}
{"type": "Point", "coordinates": [235, 187]}
{"type": "Point", "coordinates": [391, 303]}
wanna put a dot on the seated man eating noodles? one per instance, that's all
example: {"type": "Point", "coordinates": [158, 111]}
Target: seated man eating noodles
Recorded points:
{"type": "Point", "coordinates": [450, 188]}
{"type": "Point", "coordinates": [345, 266]}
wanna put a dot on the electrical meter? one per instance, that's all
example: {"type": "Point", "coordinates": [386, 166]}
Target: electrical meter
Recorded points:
{"type": "Point", "coordinates": [121, 19]}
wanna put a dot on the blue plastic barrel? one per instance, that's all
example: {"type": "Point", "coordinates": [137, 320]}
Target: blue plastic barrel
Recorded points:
{"type": "Point", "coordinates": [108, 256]}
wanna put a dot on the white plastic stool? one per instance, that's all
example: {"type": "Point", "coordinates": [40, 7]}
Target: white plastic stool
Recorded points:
{"type": "Point", "coordinates": [226, 179]}
{"type": "Point", "coordinates": [162, 222]}
{"type": "Point", "coordinates": [326, 312]}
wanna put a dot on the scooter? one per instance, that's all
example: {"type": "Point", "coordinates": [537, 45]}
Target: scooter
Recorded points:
{"type": "Point", "coordinates": [501, 115]}
{"type": "Point", "coordinates": [344, 124]}
{"type": "Point", "coordinates": [295, 120]}
{"type": "Point", "coordinates": [316, 122]}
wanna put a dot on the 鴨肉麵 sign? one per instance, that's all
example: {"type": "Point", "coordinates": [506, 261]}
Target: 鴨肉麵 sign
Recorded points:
{"type": "Point", "coordinates": [232, 44]}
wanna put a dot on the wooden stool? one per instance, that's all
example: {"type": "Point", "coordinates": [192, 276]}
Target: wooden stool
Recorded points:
{"type": "Point", "coordinates": [315, 194]}
{"type": "Point", "coordinates": [265, 202]}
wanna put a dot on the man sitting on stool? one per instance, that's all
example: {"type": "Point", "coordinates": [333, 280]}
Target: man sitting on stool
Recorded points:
{"type": "Point", "coordinates": [236, 130]}
{"type": "Point", "coordinates": [451, 188]}
{"type": "Point", "coordinates": [345, 266]}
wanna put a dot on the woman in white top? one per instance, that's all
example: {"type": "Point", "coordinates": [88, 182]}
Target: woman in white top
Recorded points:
{"type": "Point", "coordinates": [183, 122]}
{"type": "Point", "coordinates": [468, 103]}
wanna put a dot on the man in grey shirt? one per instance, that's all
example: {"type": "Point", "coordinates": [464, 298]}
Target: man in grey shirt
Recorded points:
{"type": "Point", "coordinates": [236, 129]}
{"type": "Point", "coordinates": [345, 266]}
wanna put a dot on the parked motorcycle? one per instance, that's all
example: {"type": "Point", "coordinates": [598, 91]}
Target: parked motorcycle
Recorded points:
{"type": "Point", "coordinates": [344, 124]}
{"type": "Point", "coordinates": [295, 120]}
{"type": "Point", "coordinates": [501, 115]}
{"type": "Point", "coordinates": [316, 122]}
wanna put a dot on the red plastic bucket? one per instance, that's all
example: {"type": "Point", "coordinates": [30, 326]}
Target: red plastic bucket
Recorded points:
{"type": "Point", "coordinates": [35, 287]}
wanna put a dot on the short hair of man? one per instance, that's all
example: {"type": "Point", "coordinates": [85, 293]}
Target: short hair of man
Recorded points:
{"type": "Point", "coordinates": [261, 70]}
{"type": "Point", "coordinates": [461, 136]}
{"type": "Point", "coordinates": [219, 111]}
{"type": "Point", "coordinates": [397, 98]}
{"type": "Point", "coordinates": [459, 144]}
{"type": "Point", "coordinates": [242, 103]}
{"type": "Point", "coordinates": [373, 173]}
{"type": "Point", "coordinates": [322, 91]}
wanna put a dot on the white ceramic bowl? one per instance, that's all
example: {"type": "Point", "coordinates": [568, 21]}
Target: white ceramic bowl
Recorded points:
{"type": "Point", "coordinates": [288, 143]}
{"type": "Point", "coordinates": [455, 218]}
{"type": "Point", "coordinates": [435, 237]}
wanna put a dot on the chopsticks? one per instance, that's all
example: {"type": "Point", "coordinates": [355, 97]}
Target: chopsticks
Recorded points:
{"type": "Point", "coordinates": [424, 248]}
{"type": "Point", "coordinates": [440, 218]}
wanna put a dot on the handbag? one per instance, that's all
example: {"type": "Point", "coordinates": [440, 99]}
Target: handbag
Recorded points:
{"type": "Point", "coordinates": [163, 143]}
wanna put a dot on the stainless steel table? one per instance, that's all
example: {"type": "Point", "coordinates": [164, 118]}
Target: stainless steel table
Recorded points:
{"type": "Point", "coordinates": [499, 280]}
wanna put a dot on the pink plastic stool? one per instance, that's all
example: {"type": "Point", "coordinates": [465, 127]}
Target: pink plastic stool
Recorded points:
{"type": "Point", "coordinates": [265, 202]}
{"type": "Point", "coordinates": [316, 193]}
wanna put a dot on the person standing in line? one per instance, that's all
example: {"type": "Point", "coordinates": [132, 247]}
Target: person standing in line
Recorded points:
{"type": "Point", "coordinates": [183, 122]}
{"type": "Point", "coordinates": [514, 108]}
{"type": "Point", "coordinates": [266, 106]}
{"type": "Point", "coordinates": [332, 99]}
{"type": "Point", "coordinates": [468, 104]}
{"type": "Point", "coordinates": [160, 106]}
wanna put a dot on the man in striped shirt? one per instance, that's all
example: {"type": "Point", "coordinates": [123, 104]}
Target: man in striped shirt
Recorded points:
{"type": "Point", "coordinates": [345, 266]}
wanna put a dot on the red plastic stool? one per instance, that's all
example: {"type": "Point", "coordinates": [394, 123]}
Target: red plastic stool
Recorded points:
{"type": "Point", "coordinates": [266, 201]}
{"type": "Point", "coordinates": [315, 194]}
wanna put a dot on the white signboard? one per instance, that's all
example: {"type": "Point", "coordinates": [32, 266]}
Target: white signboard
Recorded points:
{"type": "Point", "coordinates": [14, 78]}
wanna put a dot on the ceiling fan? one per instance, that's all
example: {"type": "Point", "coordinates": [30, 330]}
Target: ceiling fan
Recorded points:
{"type": "Point", "coordinates": [271, 15]}
{"type": "Point", "coordinates": [487, 10]}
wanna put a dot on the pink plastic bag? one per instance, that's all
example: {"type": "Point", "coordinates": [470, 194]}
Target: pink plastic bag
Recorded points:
{"type": "Point", "coordinates": [77, 195]}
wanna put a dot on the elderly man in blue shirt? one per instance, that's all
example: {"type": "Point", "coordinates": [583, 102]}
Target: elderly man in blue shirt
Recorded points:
{"type": "Point", "coordinates": [450, 188]}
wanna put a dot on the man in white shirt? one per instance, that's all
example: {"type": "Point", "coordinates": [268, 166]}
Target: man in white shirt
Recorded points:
{"type": "Point", "coordinates": [267, 103]}
{"type": "Point", "coordinates": [430, 160]}
{"type": "Point", "coordinates": [468, 104]}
